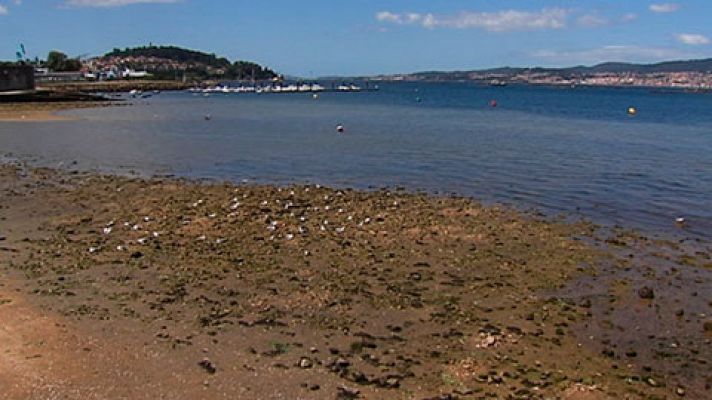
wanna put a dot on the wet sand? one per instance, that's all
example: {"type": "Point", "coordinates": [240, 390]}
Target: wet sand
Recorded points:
{"type": "Point", "coordinates": [144, 288]}
{"type": "Point", "coordinates": [42, 112]}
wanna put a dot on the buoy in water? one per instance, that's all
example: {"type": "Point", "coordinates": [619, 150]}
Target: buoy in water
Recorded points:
{"type": "Point", "coordinates": [493, 103]}
{"type": "Point", "coordinates": [208, 117]}
{"type": "Point", "coordinates": [340, 128]}
{"type": "Point", "coordinates": [315, 96]}
{"type": "Point", "coordinates": [418, 99]}
{"type": "Point", "coordinates": [632, 111]}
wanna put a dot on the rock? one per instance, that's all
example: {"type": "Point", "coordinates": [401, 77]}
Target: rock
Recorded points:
{"type": "Point", "coordinates": [388, 382]}
{"type": "Point", "coordinates": [136, 254]}
{"type": "Point", "coordinates": [345, 393]}
{"type": "Point", "coordinates": [680, 391]}
{"type": "Point", "coordinates": [491, 329]}
{"type": "Point", "coordinates": [208, 366]}
{"type": "Point", "coordinates": [707, 326]}
{"type": "Point", "coordinates": [392, 382]}
{"type": "Point", "coordinates": [305, 363]}
{"type": "Point", "coordinates": [646, 293]}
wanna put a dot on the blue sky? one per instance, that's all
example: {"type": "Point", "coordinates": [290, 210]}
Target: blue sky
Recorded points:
{"type": "Point", "coordinates": [323, 37]}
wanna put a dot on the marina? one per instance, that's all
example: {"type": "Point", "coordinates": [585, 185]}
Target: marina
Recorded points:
{"type": "Point", "coordinates": [280, 88]}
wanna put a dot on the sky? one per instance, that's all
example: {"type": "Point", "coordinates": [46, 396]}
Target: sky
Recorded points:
{"type": "Point", "coordinates": [312, 38]}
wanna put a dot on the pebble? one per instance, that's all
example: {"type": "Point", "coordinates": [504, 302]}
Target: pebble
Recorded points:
{"type": "Point", "coordinates": [347, 393]}
{"type": "Point", "coordinates": [305, 363]}
{"type": "Point", "coordinates": [646, 293]}
{"type": "Point", "coordinates": [707, 326]}
{"type": "Point", "coordinates": [208, 366]}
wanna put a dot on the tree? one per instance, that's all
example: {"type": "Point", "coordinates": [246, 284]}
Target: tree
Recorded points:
{"type": "Point", "coordinates": [58, 61]}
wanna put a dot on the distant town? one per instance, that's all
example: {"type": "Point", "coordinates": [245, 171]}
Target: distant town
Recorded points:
{"type": "Point", "coordinates": [682, 80]}
{"type": "Point", "coordinates": [693, 75]}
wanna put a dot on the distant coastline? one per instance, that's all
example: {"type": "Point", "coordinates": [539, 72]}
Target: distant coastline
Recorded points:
{"type": "Point", "coordinates": [686, 75]}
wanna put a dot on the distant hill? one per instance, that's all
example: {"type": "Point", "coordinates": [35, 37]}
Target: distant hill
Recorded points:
{"type": "Point", "coordinates": [171, 53]}
{"type": "Point", "coordinates": [165, 61]}
{"type": "Point", "coordinates": [704, 65]}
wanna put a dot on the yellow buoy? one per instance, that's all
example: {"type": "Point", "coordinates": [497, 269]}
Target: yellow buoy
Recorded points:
{"type": "Point", "coordinates": [632, 111]}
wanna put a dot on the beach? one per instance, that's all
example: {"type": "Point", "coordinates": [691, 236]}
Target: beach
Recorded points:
{"type": "Point", "coordinates": [118, 286]}
{"type": "Point", "coordinates": [43, 111]}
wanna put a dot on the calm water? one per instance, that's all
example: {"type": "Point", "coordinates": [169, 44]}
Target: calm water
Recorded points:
{"type": "Point", "coordinates": [557, 150]}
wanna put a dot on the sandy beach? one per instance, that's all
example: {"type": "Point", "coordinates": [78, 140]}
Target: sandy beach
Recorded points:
{"type": "Point", "coordinates": [118, 287]}
{"type": "Point", "coordinates": [42, 112]}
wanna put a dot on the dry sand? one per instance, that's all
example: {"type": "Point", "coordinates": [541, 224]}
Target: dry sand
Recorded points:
{"type": "Point", "coordinates": [128, 288]}
{"type": "Point", "coordinates": [41, 112]}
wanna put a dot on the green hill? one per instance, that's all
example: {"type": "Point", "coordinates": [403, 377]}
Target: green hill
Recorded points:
{"type": "Point", "coordinates": [197, 64]}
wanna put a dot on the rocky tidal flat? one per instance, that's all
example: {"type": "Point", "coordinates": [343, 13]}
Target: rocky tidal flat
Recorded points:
{"type": "Point", "coordinates": [223, 290]}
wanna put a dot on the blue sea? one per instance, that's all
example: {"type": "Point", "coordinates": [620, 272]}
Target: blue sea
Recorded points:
{"type": "Point", "coordinates": [557, 150]}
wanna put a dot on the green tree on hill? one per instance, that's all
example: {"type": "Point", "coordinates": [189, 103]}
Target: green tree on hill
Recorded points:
{"type": "Point", "coordinates": [199, 64]}
{"type": "Point", "coordinates": [58, 61]}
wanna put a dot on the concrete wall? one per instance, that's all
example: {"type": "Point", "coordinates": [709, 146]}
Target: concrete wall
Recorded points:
{"type": "Point", "coordinates": [16, 78]}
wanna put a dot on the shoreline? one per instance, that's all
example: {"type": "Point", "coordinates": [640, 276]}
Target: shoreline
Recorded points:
{"type": "Point", "coordinates": [326, 291]}
{"type": "Point", "coordinates": [115, 86]}
{"type": "Point", "coordinates": [44, 111]}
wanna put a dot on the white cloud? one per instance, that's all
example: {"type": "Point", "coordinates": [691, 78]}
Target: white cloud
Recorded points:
{"type": "Point", "coordinates": [591, 21]}
{"type": "Point", "coordinates": [3, 10]}
{"type": "Point", "coordinates": [613, 53]}
{"type": "Point", "coordinates": [692, 39]}
{"type": "Point", "coordinates": [629, 17]}
{"type": "Point", "coordinates": [387, 16]}
{"type": "Point", "coordinates": [664, 7]}
{"type": "Point", "coordinates": [501, 21]}
{"type": "Point", "coordinates": [113, 3]}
